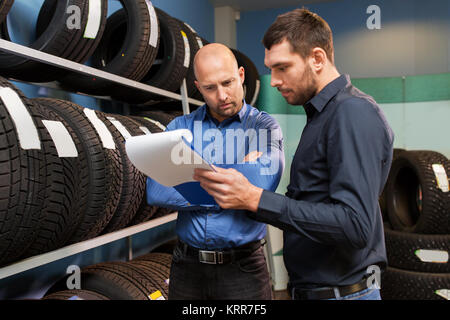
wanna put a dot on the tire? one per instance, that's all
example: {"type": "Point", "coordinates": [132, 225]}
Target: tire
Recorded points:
{"type": "Point", "coordinates": [197, 95]}
{"type": "Point", "coordinates": [169, 68]}
{"type": "Point", "coordinates": [382, 199]}
{"type": "Point", "coordinates": [156, 273]}
{"type": "Point", "coordinates": [22, 177]}
{"type": "Point", "coordinates": [56, 39]}
{"type": "Point", "coordinates": [133, 187]}
{"type": "Point", "coordinates": [128, 49]}
{"type": "Point", "coordinates": [195, 43]}
{"type": "Point", "coordinates": [148, 123]}
{"type": "Point", "coordinates": [114, 280]}
{"type": "Point", "coordinates": [103, 167]}
{"type": "Point", "coordinates": [251, 82]}
{"type": "Point", "coordinates": [402, 251]}
{"type": "Point", "coordinates": [144, 213]}
{"type": "Point", "coordinates": [5, 6]}
{"type": "Point", "coordinates": [161, 212]}
{"type": "Point", "coordinates": [399, 284]}
{"type": "Point", "coordinates": [75, 295]}
{"type": "Point", "coordinates": [162, 258]}
{"type": "Point", "coordinates": [64, 204]}
{"type": "Point", "coordinates": [415, 203]}
{"type": "Point", "coordinates": [162, 117]}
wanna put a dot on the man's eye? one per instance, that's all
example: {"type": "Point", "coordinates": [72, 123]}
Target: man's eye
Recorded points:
{"type": "Point", "coordinates": [227, 83]}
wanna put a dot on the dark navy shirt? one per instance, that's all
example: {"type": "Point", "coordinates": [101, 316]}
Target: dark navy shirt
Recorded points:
{"type": "Point", "coordinates": [225, 144]}
{"type": "Point", "coordinates": [333, 230]}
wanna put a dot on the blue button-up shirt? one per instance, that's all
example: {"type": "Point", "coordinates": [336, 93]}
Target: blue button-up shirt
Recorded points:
{"type": "Point", "coordinates": [225, 144]}
{"type": "Point", "coordinates": [333, 230]}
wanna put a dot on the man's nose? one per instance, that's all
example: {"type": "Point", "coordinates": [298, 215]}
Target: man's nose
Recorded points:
{"type": "Point", "coordinates": [222, 94]}
{"type": "Point", "coordinates": [275, 81]}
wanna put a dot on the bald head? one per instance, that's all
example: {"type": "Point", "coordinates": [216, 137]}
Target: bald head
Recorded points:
{"type": "Point", "coordinates": [219, 80]}
{"type": "Point", "coordinates": [211, 56]}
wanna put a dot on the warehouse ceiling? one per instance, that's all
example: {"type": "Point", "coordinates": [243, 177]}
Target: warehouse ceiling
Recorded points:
{"type": "Point", "coordinates": [249, 5]}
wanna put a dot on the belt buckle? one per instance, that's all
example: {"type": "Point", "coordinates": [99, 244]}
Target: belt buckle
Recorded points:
{"type": "Point", "coordinates": [210, 257]}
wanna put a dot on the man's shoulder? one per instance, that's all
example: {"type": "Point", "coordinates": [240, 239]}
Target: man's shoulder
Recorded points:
{"type": "Point", "coordinates": [351, 100]}
{"type": "Point", "coordinates": [261, 119]}
{"type": "Point", "coordinates": [183, 121]}
{"type": "Point", "coordinates": [356, 108]}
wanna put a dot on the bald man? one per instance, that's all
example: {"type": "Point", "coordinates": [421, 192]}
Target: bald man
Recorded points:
{"type": "Point", "coordinates": [219, 254]}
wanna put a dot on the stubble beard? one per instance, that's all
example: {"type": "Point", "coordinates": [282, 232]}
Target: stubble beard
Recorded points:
{"type": "Point", "coordinates": [307, 89]}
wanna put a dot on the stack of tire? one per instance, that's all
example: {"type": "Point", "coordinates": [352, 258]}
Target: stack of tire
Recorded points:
{"type": "Point", "coordinates": [417, 227]}
{"type": "Point", "coordinates": [65, 176]}
{"type": "Point", "coordinates": [144, 278]}
{"type": "Point", "coordinates": [138, 42]}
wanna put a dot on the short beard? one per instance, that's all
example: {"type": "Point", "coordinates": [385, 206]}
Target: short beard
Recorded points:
{"type": "Point", "coordinates": [309, 91]}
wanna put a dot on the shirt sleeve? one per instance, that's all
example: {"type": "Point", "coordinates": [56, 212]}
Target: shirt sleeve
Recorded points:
{"type": "Point", "coordinates": [167, 197]}
{"type": "Point", "coordinates": [357, 145]}
{"type": "Point", "coordinates": [267, 170]}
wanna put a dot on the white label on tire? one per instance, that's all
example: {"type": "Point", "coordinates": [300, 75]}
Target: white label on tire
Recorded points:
{"type": "Point", "coordinates": [187, 50]}
{"type": "Point", "coordinates": [444, 293]}
{"type": "Point", "coordinates": [61, 138]}
{"type": "Point", "coordinates": [157, 123]}
{"type": "Point", "coordinates": [26, 130]}
{"type": "Point", "coordinates": [123, 131]}
{"type": "Point", "coordinates": [441, 177]}
{"type": "Point", "coordinates": [434, 256]}
{"type": "Point", "coordinates": [102, 130]}
{"type": "Point", "coordinates": [189, 27]}
{"type": "Point", "coordinates": [153, 40]}
{"type": "Point", "coordinates": [94, 19]}
{"type": "Point", "coordinates": [200, 42]}
{"type": "Point", "coordinates": [145, 130]}
{"type": "Point", "coordinates": [255, 96]}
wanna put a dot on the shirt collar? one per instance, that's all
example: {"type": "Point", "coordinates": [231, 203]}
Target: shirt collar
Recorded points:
{"type": "Point", "coordinates": [320, 100]}
{"type": "Point", "coordinates": [239, 116]}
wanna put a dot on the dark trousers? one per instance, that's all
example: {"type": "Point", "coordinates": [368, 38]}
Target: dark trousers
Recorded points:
{"type": "Point", "coordinates": [244, 279]}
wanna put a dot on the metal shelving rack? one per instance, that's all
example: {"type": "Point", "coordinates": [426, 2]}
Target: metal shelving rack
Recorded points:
{"type": "Point", "coordinates": [52, 60]}
{"type": "Point", "coordinates": [73, 249]}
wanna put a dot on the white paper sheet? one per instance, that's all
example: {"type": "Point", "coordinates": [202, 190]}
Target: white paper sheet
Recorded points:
{"type": "Point", "coordinates": [165, 157]}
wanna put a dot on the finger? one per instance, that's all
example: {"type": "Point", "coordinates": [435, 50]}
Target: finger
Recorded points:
{"type": "Point", "coordinates": [213, 188]}
{"type": "Point", "coordinates": [252, 156]}
{"type": "Point", "coordinates": [210, 175]}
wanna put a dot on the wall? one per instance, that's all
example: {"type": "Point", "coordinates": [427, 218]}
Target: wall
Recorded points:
{"type": "Point", "coordinates": [413, 39]}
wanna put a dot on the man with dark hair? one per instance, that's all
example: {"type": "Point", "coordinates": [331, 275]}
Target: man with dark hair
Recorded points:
{"type": "Point", "coordinates": [333, 230]}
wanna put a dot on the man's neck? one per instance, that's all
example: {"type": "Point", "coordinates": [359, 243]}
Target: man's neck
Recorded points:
{"type": "Point", "coordinates": [220, 119]}
{"type": "Point", "coordinates": [327, 77]}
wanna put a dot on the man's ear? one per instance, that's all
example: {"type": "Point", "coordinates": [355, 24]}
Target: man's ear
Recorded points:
{"type": "Point", "coordinates": [318, 59]}
{"type": "Point", "coordinates": [242, 74]}
{"type": "Point", "coordinates": [197, 85]}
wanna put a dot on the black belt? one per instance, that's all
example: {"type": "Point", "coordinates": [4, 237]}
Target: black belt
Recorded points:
{"type": "Point", "coordinates": [327, 293]}
{"type": "Point", "coordinates": [223, 256]}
